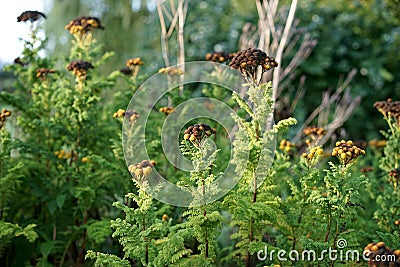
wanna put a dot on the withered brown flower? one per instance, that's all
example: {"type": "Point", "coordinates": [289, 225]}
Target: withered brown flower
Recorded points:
{"type": "Point", "coordinates": [219, 57]}
{"type": "Point", "coordinates": [250, 60]}
{"type": "Point", "coordinates": [79, 68]}
{"type": "Point", "coordinates": [83, 24]}
{"type": "Point", "coordinates": [389, 108]}
{"type": "Point", "coordinates": [30, 16]}
{"type": "Point", "coordinates": [197, 133]}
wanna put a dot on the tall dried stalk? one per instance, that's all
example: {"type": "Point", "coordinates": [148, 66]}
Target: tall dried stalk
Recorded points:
{"type": "Point", "coordinates": [172, 19]}
{"type": "Point", "coordinates": [278, 33]}
{"type": "Point", "coordinates": [340, 103]}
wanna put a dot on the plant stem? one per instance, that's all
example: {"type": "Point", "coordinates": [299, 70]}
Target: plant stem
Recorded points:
{"type": "Point", "coordinates": [329, 224]}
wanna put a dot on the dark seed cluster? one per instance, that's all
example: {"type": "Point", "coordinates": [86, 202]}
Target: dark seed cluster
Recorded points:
{"type": "Point", "coordinates": [381, 255]}
{"type": "Point", "coordinates": [18, 61]}
{"type": "Point", "coordinates": [131, 115]}
{"type": "Point", "coordinates": [248, 62]}
{"type": "Point", "coordinates": [43, 72]}
{"type": "Point", "coordinates": [126, 71]}
{"type": "Point", "coordinates": [166, 110]}
{"type": "Point", "coordinates": [366, 169]}
{"type": "Point", "coordinates": [219, 57]}
{"type": "Point", "coordinates": [346, 151]}
{"type": "Point", "coordinates": [5, 113]}
{"type": "Point", "coordinates": [82, 25]}
{"type": "Point", "coordinates": [79, 68]}
{"type": "Point", "coordinates": [197, 133]}
{"type": "Point", "coordinates": [389, 108]}
{"type": "Point", "coordinates": [142, 169]}
{"type": "Point", "coordinates": [30, 16]}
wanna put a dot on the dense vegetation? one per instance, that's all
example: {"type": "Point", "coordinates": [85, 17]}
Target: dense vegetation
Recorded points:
{"type": "Point", "coordinates": [73, 194]}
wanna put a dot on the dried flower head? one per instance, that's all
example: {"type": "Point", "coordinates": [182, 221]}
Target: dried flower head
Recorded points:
{"type": "Point", "coordinates": [197, 133]}
{"type": "Point", "coordinates": [313, 154]}
{"type": "Point", "coordinates": [62, 154]}
{"type": "Point", "coordinates": [249, 61]}
{"type": "Point", "coordinates": [119, 114]}
{"type": "Point", "coordinates": [346, 151]}
{"type": "Point", "coordinates": [43, 72]}
{"type": "Point", "coordinates": [389, 108]}
{"type": "Point", "coordinates": [377, 143]}
{"type": "Point", "coordinates": [30, 16]}
{"type": "Point", "coordinates": [18, 61]}
{"type": "Point", "coordinates": [82, 25]}
{"type": "Point", "coordinates": [314, 131]}
{"type": "Point", "coordinates": [126, 71]}
{"type": "Point", "coordinates": [381, 255]}
{"type": "Point", "coordinates": [137, 61]}
{"type": "Point", "coordinates": [286, 145]}
{"type": "Point", "coordinates": [315, 134]}
{"type": "Point", "coordinates": [141, 169]}
{"type": "Point", "coordinates": [131, 115]}
{"type": "Point", "coordinates": [394, 176]}
{"type": "Point", "coordinates": [367, 169]}
{"type": "Point", "coordinates": [172, 71]}
{"type": "Point", "coordinates": [166, 110]}
{"type": "Point", "coordinates": [79, 68]}
{"type": "Point", "coordinates": [5, 113]}
{"type": "Point", "coordinates": [219, 57]}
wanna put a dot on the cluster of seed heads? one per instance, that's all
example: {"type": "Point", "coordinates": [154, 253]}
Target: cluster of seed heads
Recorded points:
{"type": "Point", "coordinates": [137, 61]}
{"type": "Point", "coordinates": [142, 169]}
{"type": "Point", "coordinates": [172, 71]}
{"type": "Point", "coordinates": [119, 114]}
{"type": "Point", "coordinates": [219, 57]}
{"type": "Point", "coordinates": [346, 151]}
{"type": "Point", "coordinates": [314, 130]}
{"type": "Point", "coordinates": [377, 143]}
{"type": "Point", "coordinates": [30, 16]}
{"type": "Point", "coordinates": [62, 154]}
{"type": "Point", "coordinates": [381, 255]}
{"type": "Point", "coordinates": [131, 115]}
{"type": "Point", "coordinates": [166, 110]}
{"type": "Point", "coordinates": [164, 218]}
{"type": "Point", "coordinates": [82, 25]}
{"type": "Point", "coordinates": [286, 145]}
{"type": "Point", "coordinates": [389, 108]}
{"type": "Point", "coordinates": [80, 68]}
{"type": "Point", "coordinates": [197, 133]}
{"type": "Point", "coordinates": [5, 113]}
{"type": "Point", "coordinates": [313, 153]}
{"type": "Point", "coordinates": [248, 62]}
{"type": "Point", "coordinates": [43, 72]}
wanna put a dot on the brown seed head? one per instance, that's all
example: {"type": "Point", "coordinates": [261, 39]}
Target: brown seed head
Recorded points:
{"type": "Point", "coordinates": [30, 16]}
{"type": "Point", "coordinates": [82, 25]}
